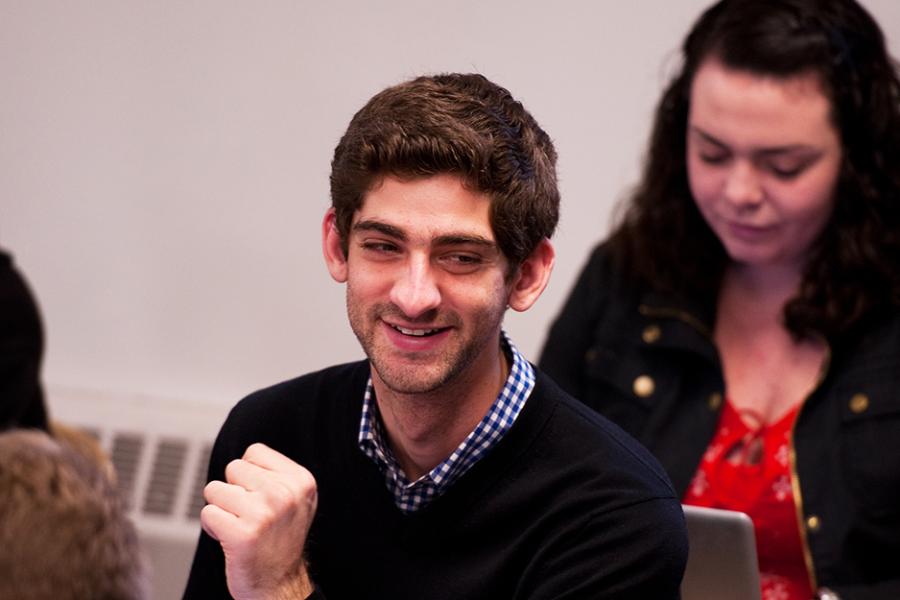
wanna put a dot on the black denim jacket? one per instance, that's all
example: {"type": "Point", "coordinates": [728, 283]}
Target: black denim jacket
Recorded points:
{"type": "Point", "coordinates": [648, 363]}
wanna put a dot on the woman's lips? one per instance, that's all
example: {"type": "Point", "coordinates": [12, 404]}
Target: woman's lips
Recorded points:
{"type": "Point", "coordinates": [749, 233]}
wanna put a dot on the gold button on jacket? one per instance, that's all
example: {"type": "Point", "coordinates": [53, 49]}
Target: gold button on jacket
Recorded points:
{"type": "Point", "coordinates": [859, 403]}
{"type": "Point", "coordinates": [643, 386]}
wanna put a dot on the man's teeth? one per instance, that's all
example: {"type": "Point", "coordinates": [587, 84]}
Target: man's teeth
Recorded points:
{"type": "Point", "coordinates": [415, 332]}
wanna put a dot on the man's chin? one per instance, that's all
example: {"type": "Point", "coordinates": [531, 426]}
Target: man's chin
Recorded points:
{"type": "Point", "coordinates": [411, 379]}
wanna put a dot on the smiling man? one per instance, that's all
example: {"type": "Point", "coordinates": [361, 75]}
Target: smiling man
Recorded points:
{"type": "Point", "coordinates": [445, 465]}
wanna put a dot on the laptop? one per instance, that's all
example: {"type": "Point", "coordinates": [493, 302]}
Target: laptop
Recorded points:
{"type": "Point", "coordinates": [722, 561]}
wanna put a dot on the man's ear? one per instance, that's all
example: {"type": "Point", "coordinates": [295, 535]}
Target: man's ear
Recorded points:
{"type": "Point", "coordinates": [335, 259]}
{"type": "Point", "coordinates": [532, 277]}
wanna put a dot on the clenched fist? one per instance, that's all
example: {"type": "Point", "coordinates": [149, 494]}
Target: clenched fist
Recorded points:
{"type": "Point", "coordinates": [261, 517]}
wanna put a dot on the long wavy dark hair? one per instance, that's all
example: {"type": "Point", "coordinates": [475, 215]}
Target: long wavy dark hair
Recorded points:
{"type": "Point", "coordinates": [854, 267]}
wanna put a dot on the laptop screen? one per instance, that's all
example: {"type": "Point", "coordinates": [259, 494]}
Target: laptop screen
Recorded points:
{"type": "Point", "coordinates": [722, 557]}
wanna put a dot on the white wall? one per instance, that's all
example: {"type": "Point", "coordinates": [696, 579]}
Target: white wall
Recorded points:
{"type": "Point", "coordinates": [164, 165]}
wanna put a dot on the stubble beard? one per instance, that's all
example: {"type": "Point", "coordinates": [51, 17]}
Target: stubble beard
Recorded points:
{"type": "Point", "coordinates": [432, 373]}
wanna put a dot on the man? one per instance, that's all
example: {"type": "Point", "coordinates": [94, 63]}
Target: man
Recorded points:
{"type": "Point", "coordinates": [64, 534]}
{"type": "Point", "coordinates": [444, 466]}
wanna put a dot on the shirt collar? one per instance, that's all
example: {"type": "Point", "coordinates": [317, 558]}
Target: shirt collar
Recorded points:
{"type": "Point", "coordinates": [410, 496]}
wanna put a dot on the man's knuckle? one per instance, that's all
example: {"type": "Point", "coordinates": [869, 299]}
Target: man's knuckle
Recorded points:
{"type": "Point", "coordinates": [210, 490]}
{"type": "Point", "coordinates": [280, 496]}
{"type": "Point", "coordinates": [231, 467]}
{"type": "Point", "coordinates": [254, 449]}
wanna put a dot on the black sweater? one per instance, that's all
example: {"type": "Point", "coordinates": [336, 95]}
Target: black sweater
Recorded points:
{"type": "Point", "coordinates": [565, 506]}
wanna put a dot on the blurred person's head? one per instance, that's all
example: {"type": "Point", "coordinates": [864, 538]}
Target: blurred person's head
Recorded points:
{"type": "Point", "coordinates": [63, 531]}
{"type": "Point", "coordinates": [21, 351]}
{"type": "Point", "coordinates": [457, 124]}
{"type": "Point", "coordinates": [839, 95]}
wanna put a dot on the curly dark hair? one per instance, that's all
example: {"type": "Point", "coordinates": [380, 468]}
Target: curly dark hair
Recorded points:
{"type": "Point", "coordinates": [453, 123]}
{"type": "Point", "coordinates": [854, 267]}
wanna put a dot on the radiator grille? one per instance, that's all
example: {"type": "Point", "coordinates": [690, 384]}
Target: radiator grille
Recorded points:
{"type": "Point", "coordinates": [165, 476]}
{"type": "Point", "coordinates": [160, 450]}
{"type": "Point", "coordinates": [126, 455]}
{"type": "Point", "coordinates": [195, 500]}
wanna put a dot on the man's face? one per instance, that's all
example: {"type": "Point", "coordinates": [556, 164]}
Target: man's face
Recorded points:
{"type": "Point", "coordinates": [426, 290]}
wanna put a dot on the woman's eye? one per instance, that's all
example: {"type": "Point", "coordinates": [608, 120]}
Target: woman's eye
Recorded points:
{"type": "Point", "coordinates": [786, 171]}
{"type": "Point", "coordinates": [711, 158]}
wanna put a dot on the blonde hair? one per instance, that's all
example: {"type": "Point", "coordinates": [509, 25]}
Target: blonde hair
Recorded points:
{"type": "Point", "coordinates": [63, 532]}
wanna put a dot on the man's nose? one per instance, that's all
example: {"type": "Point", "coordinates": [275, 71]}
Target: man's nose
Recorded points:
{"type": "Point", "coordinates": [416, 291]}
{"type": "Point", "coordinates": [743, 187]}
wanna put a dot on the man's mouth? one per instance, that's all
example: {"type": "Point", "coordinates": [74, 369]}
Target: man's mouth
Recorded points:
{"type": "Point", "coordinates": [417, 332]}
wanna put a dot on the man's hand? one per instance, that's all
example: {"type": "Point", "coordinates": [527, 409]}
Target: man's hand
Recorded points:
{"type": "Point", "coordinates": [261, 517]}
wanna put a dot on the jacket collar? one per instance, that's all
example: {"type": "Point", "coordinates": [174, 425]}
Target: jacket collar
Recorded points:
{"type": "Point", "coordinates": [683, 324]}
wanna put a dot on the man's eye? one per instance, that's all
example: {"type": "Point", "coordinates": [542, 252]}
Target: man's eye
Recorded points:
{"type": "Point", "coordinates": [465, 258]}
{"type": "Point", "coordinates": [462, 262]}
{"type": "Point", "coordinates": [380, 247]}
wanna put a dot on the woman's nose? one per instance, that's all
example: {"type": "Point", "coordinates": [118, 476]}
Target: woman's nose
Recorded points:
{"type": "Point", "coordinates": [743, 187]}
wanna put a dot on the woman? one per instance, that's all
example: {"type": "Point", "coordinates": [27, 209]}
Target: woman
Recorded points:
{"type": "Point", "coordinates": [742, 319]}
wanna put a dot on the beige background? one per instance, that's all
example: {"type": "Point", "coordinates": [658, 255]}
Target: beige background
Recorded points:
{"type": "Point", "coordinates": [164, 165]}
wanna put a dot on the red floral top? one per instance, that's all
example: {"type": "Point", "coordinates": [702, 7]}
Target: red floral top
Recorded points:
{"type": "Point", "coordinates": [747, 468]}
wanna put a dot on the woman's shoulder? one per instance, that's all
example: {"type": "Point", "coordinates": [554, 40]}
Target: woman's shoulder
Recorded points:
{"type": "Point", "coordinates": [606, 272]}
{"type": "Point", "coordinates": [876, 338]}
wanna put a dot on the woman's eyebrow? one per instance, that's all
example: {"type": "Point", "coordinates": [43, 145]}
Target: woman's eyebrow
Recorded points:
{"type": "Point", "coordinates": [767, 151]}
{"type": "Point", "coordinates": [794, 148]}
{"type": "Point", "coordinates": [706, 137]}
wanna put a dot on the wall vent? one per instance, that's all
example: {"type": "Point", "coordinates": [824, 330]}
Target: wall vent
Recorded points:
{"type": "Point", "coordinates": [158, 477]}
{"type": "Point", "coordinates": [160, 450]}
{"type": "Point", "coordinates": [196, 501]}
{"type": "Point", "coordinates": [165, 477]}
{"type": "Point", "coordinates": [126, 456]}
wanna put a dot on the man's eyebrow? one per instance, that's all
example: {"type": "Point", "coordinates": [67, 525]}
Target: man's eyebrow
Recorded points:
{"type": "Point", "coordinates": [461, 239]}
{"type": "Point", "coordinates": [449, 239]}
{"type": "Point", "coordinates": [380, 227]}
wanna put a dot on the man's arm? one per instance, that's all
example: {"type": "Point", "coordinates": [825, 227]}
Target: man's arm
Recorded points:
{"type": "Point", "coordinates": [261, 516]}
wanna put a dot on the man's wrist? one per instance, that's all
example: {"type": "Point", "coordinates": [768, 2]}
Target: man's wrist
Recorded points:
{"type": "Point", "coordinates": [299, 587]}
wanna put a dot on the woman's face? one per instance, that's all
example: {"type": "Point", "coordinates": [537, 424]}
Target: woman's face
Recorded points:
{"type": "Point", "coordinates": [763, 161]}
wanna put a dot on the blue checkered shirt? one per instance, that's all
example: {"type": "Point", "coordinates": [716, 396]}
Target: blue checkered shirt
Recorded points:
{"type": "Point", "coordinates": [411, 496]}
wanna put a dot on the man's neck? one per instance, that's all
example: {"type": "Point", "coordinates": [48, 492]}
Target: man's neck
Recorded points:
{"type": "Point", "coordinates": [424, 429]}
